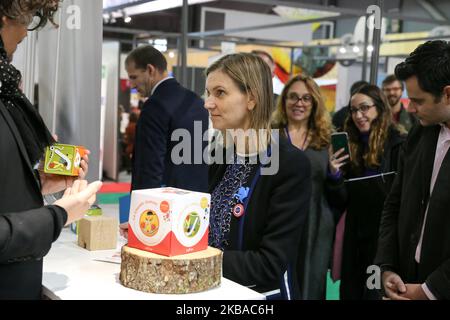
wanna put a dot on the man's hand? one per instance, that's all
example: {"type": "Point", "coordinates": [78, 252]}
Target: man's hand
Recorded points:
{"type": "Point", "coordinates": [52, 183]}
{"type": "Point", "coordinates": [414, 292]}
{"type": "Point", "coordinates": [394, 286]}
{"type": "Point", "coordinates": [123, 228]}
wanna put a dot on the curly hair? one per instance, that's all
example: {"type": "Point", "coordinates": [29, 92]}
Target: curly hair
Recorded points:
{"type": "Point", "coordinates": [378, 133]}
{"type": "Point", "coordinates": [44, 10]}
{"type": "Point", "coordinates": [319, 122]}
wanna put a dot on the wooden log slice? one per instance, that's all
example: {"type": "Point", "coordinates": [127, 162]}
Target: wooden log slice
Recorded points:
{"type": "Point", "coordinates": [149, 272]}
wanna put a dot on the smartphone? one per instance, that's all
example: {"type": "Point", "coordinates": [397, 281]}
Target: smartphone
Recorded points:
{"type": "Point", "coordinates": [339, 140]}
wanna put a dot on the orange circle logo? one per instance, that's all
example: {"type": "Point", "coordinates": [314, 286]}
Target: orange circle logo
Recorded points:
{"type": "Point", "coordinates": [149, 223]}
{"type": "Point", "coordinates": [164, 207]}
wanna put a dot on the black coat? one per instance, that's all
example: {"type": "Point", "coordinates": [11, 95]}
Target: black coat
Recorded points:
{"type": "Point", "coordinates": [171, 107]}
{"type": "Point", "coordinates": [404, 212]}
{"type": "Point", "coordinates": [27, 229]}
{"type": "Point", "coordinates": [317, 238]}
{"type": "Point", "coordinates": [273, 222]}
{"type": "Point", "coordinates": [363, 202]}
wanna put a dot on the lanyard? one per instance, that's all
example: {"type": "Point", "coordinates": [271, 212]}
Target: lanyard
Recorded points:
{"type": "Point", "coordinates": [288, 135]}
{"type": "Point", "coordinates": [246, 202]}
{"type": "Point", "coordinates": [289, 138]}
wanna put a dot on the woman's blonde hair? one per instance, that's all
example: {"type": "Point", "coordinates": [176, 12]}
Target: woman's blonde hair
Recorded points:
{"type": "Point", "coordinates": [253, 77]}
{"type": "Point", "coordinates": [319, 122]}
{"type": "Point", "coordinates": [20, 9]}
{"type": "Point", "coordinates": [379, 131]}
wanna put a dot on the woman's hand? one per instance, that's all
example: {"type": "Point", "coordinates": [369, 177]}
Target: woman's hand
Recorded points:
{"type": "Point", "coordinates": [335, 161]}
{"type": "Point", "coordinates": [78, 199]}
{"type": "Point", "coordinates": [53, 183]}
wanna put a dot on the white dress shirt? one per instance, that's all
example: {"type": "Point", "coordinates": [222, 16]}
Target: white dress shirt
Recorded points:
{"type": "Point", "coordinates": [156, 86]}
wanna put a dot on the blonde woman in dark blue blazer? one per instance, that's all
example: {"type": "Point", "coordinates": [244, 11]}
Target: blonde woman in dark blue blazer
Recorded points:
{"type": "Point", "coordinates": [255, 214]}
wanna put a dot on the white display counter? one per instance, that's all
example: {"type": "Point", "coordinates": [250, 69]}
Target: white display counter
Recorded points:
{"type": "Point", "coordinates": [73, 273]}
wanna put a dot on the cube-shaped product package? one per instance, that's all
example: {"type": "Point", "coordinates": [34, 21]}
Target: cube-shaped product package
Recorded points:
{"type": "Point", "coordinates": [63, 159]}
{"type": "Point", "coordinates": [169, 221]}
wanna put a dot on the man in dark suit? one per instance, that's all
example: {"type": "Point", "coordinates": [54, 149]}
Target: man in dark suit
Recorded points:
{"type": "Point", "coordinates": [414, 241]}
{"type": "Point", "coordinates": [170, 111]}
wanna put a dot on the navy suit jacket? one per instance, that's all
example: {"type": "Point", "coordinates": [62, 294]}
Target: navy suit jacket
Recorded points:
{"type": "Point", "coordinates": [169, 108]}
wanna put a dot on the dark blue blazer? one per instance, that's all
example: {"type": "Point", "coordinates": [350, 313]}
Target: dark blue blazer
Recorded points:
{"type": "Point", "coordinates": [169, 108]}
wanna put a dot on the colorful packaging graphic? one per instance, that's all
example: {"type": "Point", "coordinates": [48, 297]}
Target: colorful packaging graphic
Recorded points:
{"type": "Point", "coordinates": [169, 221]}
{"type": "Point", "coordinates": [63, 159]}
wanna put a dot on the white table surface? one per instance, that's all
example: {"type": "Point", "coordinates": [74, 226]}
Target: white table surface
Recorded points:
{"type": "Point", "coordinates": [71, 273]}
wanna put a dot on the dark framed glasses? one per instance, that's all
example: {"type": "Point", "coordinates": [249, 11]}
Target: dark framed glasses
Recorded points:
{"type": "Point", "coordinates": [293, 98]}
{"type": "Point", "coordinates": [364, 109]}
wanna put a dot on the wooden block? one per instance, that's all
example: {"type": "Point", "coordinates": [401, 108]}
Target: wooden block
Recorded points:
{"type": "Point", "coordinates": [98, 233]}
{"type": "Point", "coordinates": [150, 272]}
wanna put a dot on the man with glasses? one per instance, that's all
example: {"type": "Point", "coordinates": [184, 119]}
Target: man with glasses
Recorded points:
{"type": "Point", "coordinates": [393, 90]}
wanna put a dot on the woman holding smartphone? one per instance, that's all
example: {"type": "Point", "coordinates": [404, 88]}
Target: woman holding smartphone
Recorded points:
{"type": "Point", "coordinates": [375, 144]}
{"type": "Point", "coordinates": [303, 119]}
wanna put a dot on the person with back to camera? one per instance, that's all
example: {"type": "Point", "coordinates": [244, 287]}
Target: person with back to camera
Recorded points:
{"type": "Point", "coordinates": [27, 227]}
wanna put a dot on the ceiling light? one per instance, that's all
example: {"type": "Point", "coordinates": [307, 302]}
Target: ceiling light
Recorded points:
{"type": "Point", "coordinates": [356, 49]}
{"type": "Point", "coordinates": [159, 5]}
{"type": "Point", "coordinates": [370, 48]}
{"type": "Point", "coordinates": [126, 17]}
{"type": "Point", "coordinates": [342, 50]}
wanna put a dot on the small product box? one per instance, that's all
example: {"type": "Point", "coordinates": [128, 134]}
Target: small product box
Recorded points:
{"type": "Point", "coordinates": [169, 221]}
{"type": "Point", "coordinates": [63, 159]}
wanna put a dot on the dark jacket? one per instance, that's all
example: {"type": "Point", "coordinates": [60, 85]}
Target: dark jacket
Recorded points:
{"type": "Point", "coordinates": [27, 229]}
{"type": "Point", "coordinates": [405, 119]}
{"type": "Point", "coordinates": [363, 201]}
{"type": "Point", "coordinates": [404, 211]}
{"type": "Point", "coordinates": [273, 220]}
{"type": "Point", "coordinates": [171, 107]}
{"type": "Point", "coordinates": [317, 237]}
{"type": "Point", "coordinates": [339, 118]}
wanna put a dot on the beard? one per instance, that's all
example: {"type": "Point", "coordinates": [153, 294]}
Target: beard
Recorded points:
{"type": "Point", "coordinates": [393, 100]}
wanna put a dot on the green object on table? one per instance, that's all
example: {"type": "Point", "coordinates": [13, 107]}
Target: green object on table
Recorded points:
{"type": "Point", "coordinates": [94, 211]}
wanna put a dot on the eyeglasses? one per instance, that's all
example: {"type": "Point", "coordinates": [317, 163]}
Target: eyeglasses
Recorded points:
{"type": "Point", "coordinates": [294, 99]}
{"type": "Point", "coordinates": [363, 109]}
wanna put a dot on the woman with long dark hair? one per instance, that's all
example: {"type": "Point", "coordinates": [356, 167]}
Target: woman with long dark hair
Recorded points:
{"type": "Point", "coordinates": [375, 144]}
